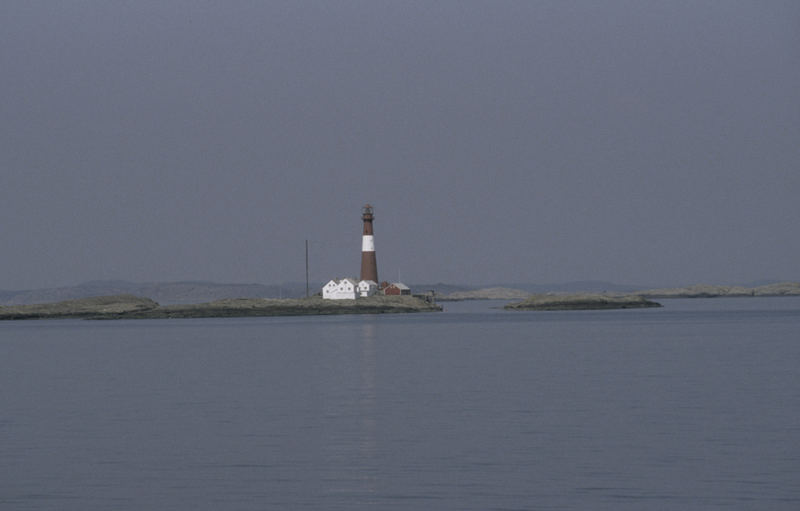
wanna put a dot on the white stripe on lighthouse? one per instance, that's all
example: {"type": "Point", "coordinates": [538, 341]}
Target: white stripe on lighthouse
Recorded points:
{"type": "Point", "coordinates": [368, 243]}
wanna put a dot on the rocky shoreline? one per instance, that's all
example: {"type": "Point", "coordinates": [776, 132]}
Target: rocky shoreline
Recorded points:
{"type": "Point", "coordinates": [135, 307]}
{"type": "Point", "coordinates": [582, 301]}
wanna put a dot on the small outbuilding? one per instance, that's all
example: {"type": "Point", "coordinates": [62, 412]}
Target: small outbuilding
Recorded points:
{"type": "Point", "coordinates": [367, 288]}
{"type": "Point", "coordinates": [397, 288]}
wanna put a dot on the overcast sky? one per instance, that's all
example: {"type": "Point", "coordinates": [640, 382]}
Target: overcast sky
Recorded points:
{"type": "Point", "coordinates": [651, 143]}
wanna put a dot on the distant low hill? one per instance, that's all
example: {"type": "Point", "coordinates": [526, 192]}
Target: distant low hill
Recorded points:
{"type": "Point", "coordinates": [578, 286]}
{"type": "Point", "coordinates": [710, 291]}
{"type": "Point", "coordinates": [440, 288]}
{"type": "Point", "coordinates": [474, 291]}
{"type": "Point", "coordinates": [520, 291]}
{"type": "Point", "coordinates": [490, 293]}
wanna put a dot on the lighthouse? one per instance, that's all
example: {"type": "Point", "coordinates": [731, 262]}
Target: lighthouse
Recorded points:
{"type": "Point", "coordinates": [369, 266]}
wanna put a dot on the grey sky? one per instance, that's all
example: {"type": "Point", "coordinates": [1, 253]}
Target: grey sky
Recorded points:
{"type": "Point", "coordinates": [630, 141]}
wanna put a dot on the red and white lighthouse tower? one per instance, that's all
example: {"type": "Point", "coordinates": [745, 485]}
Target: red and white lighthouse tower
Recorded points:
{"type": "Point", "coordinates": [369, 266]}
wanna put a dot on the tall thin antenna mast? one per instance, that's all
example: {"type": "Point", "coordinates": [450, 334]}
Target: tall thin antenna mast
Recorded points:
{"type": "Point", "coordinates": [306, 268]}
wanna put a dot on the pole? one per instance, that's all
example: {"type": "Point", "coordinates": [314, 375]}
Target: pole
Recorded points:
{"type": "Point", "coordinates": [306, 268]}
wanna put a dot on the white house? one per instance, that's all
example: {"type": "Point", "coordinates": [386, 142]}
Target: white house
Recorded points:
{"type": "Point", "coordinates": [367, 288]}
{"type": "Point", "coordinates": [343, 289]}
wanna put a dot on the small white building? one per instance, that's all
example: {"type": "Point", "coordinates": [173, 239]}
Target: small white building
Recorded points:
{"type": "Point", "coordinates": [342, 289]}
{"type": "Point", "coordinates": [367, 288]}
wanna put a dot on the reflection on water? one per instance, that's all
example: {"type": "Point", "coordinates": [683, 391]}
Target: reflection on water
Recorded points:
{"type": "Point", "coordinates": [351, 443]}
{"type": "Point", "coordinates": [367, 410]}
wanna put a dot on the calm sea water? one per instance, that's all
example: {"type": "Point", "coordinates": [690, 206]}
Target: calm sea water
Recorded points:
{"type": "Point", "coordinates": [693, 406]}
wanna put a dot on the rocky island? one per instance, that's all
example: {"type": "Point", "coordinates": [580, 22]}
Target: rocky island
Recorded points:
{"type": "Point", "coordinates": [582, 301]}
{"type": "Point", "coordinates": [135, 307]}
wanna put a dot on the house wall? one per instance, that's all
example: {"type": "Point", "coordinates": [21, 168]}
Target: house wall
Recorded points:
{"type": "Point", "coordinates": [393, 290]}
{"type": "Point", "coordinates": [343, 290]}
{"type": "Point", "coordinates": [365, 289]}
{"type": "Point", "coordinates": [348, 289]}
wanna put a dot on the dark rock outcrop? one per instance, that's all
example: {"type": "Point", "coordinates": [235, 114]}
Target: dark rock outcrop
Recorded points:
{"type": "Point", "coordinates": [552, 302]}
